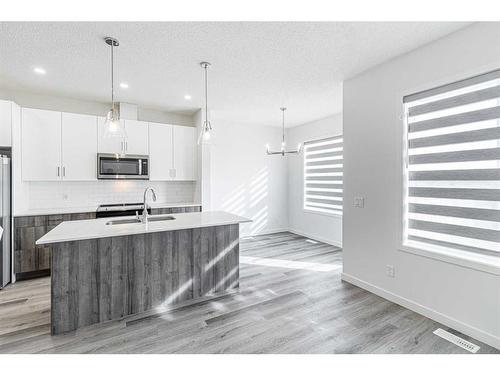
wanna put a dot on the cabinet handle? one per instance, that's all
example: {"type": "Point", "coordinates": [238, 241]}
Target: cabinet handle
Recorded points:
{"type": "Point", "coordinates": [64, 171]}
{"type": "Point", "coordinates": [121, 146]}
{"type": "Point", "coordinates": [126, 145]}
{"type": "Point", "coordinates": [58, 171]}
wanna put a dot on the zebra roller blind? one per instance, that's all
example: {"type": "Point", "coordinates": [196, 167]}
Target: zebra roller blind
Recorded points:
{"type": "Point", "coordinates": [323, 175]}
{"type": "Point", "coordinates": [453, 166]}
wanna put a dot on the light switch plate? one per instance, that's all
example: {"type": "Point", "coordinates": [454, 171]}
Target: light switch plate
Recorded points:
{"type": "Point", "coordinates": [390, 271]}
{"type": "Point", "coordinates": [359, 202]}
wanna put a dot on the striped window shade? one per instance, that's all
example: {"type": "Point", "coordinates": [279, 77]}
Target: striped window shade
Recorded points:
{"type": "Point", "coordinates": [323, 162]}
{"type": "Point", "coordinates": [453, 166]}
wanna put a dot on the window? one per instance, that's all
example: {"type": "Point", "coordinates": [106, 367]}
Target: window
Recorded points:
{"type": "Point", "coordinates": [323, 175]}
{"type": "Point", "coordinates": [453, 167]}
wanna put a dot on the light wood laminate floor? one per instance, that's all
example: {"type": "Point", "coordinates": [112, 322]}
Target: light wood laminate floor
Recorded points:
{"type": "Point", "coordinates": [291, 300]}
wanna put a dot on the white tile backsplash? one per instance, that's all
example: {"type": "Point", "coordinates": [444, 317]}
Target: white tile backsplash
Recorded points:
{"type": "Point", "coordinates": [89, 193]}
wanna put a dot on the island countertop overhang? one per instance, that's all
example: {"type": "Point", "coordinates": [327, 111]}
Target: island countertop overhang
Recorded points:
{"type": "Point", "coordinates": [97, 228]}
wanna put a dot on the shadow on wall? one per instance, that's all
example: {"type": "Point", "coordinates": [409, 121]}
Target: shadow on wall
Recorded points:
{"type": "Point", "coordinates": [250, 200]}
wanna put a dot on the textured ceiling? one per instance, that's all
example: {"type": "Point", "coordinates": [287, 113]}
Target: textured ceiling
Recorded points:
{"type": "Point", "coordinates": [257, 67]}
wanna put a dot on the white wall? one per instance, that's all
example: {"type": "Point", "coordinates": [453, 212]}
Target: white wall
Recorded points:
{"type": "Point", "coordinates": [464, 298]}
{"type": "Point", "coordinates": [246, 181]}
{"type": "Point", "coordinates": [314, 225]}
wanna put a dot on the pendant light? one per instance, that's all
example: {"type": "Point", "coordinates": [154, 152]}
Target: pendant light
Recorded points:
{"type": "Point", "coordinates": [283, 152]}
{"type": "Point", "coordinates": [206, 129]}
{"type": "Point", "coordinates": [113, 127]}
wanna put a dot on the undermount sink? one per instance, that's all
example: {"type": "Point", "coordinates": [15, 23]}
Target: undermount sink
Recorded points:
{"type": "Point", "coordinates": [137, 221]}
{"type": "Point", "coordinates": [160, 218]}
{"type": "Point", "coordinates": [123, 221]}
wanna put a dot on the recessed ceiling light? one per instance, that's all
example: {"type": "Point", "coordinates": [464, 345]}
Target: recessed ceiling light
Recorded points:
{"type": "Point", "coordinates": [187, 97]}
{"type": "Point", "coordinates": [39, 70]}
{"type": "Point", "coordinates": [124, 85]}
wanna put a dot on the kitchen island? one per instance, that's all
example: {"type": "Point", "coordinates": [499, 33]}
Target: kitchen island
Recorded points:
{"type": "Point", "coordinates": [102, 271]}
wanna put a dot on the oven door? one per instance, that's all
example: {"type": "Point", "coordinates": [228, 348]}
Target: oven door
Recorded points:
{"type": "Point", "coordinates": [128, 167]}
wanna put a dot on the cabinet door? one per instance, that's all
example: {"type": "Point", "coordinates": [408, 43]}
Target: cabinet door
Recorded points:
{"type": "Point", "coordinates": [79, 147]}
{"type": "Point", "coordinates": [137, 137]}
{"type": "Point", "coordinates": [41, 145]}
{"type": "Point", "coordinates": [160, 152]}
{"type": "Point", "coordinates": [184, 153]}
{"type": "Point", "coordinates": [5, 123]}
{"type": "Point", "coordinates": [111, 145]}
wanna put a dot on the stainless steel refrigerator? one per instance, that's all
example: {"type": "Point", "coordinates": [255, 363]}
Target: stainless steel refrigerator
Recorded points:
{"type": "Point", "coordinates": [5, 220]}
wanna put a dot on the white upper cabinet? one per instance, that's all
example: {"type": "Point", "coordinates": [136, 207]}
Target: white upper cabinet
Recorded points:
{"type": "Point", "coordinates": [58, 146]}
{"type": "Point", "coordinates": [41, 145]}
{"type": "Point", "coordinates": [110, 145]}
{"type": "Point", "coordinates": [184, 153]}
{"type": "Point", "coordinates": [172, 152]}
{"type": "Point", "coordinates": [137, 137]}
{"type": "Point", "coordinates": [79, 147]}
{"type": "Point", "coordinates": [161, 154]}
{"type": "Point", "coordinates": [5, 123]}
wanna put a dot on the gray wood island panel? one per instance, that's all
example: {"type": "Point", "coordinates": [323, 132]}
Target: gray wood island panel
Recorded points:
{"type": "Point", "coordinates": [102, 279]}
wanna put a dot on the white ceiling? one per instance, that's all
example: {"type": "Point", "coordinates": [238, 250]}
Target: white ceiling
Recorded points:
{"type": "Point", "coordinates": [257, 67]}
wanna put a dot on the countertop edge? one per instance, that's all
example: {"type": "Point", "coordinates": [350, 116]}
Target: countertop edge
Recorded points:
{"type": "Point", "coordinates": [143, 230]}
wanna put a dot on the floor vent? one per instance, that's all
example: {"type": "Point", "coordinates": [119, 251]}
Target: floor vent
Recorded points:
{"type": "Point", "coordinates": [464, 344]}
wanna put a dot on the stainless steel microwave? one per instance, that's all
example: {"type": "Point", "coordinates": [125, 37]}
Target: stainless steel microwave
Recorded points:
{"type": "Point", "coordinates": [122, 167]}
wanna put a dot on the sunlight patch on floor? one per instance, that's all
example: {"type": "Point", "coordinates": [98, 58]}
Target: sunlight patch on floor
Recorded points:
{"type": "Point", "coordinates": [270, 262]}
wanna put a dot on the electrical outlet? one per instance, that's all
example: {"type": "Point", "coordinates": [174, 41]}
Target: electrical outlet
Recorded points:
{"type": "Point", "coordinates": [390, 271]}
{"type": "Point", "coordinates": [359, 202]}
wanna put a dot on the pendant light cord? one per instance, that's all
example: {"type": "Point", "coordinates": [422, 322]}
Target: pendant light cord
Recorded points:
{"type": "Point", "coordinates": [207, 123]}
{"type": "Point", "coordinates": [112, 79]}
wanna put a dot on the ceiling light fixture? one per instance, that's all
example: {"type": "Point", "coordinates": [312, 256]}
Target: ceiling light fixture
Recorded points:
{"type": "Point", "coordinates": [187, 97]}
{"type": "Point", "coordinates": [113, 127]}
{"type": "Point", "coordinates": [124, 85]}
{"type": "Point", "coordinates": [283, 152]}
{"type": "Point", "coordinates": [206, 128]}
{"type": "Point", "coordinates": [39, 70]}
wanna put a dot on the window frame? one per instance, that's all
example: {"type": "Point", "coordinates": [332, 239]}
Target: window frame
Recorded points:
{"type": "Point", "coordinates": [307, 210]}
{"type": "Point", "coordinates": [480, 262]}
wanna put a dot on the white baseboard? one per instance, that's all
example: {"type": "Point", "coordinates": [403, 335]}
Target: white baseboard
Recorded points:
{"type": "Point", "coordinates": [473, 332]}
{"type": "Point", "coordinates": [317, 238]}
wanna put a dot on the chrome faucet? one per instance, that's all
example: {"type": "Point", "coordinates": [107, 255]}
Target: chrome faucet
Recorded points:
{"type": "Point", "coordinates": [145, 211]}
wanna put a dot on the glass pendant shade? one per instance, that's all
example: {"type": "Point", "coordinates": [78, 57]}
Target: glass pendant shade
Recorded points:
{"type": "Point", "coordinates": [206, 129]}
{"type": "Point", "coordinates": [205, 133]}
{"type": "Point", "coordinates": [113, 127]}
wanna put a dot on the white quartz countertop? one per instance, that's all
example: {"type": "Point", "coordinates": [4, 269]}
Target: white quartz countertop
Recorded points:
{"type": "Point", "coordinates": [82, 209]}
{"type": "Point", "coordinates": [97, 228]}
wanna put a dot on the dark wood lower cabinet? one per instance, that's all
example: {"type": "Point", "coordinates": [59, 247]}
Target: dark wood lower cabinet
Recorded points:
{"type": "Point", "coordinates": [174, 210]}
{"type": "Point", "coordinates": [32, 260]}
